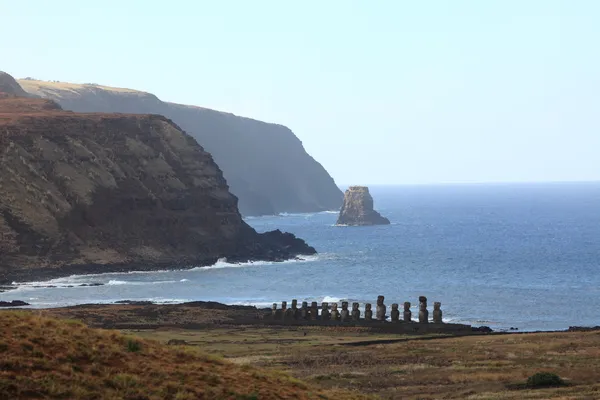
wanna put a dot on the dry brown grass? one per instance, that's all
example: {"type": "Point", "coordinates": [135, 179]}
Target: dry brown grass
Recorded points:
{"type": "Point", "coordinates": [37, 87]}
{"type": "Point", "coordinates": [47, 358]}
{"type": "Point", "coordinates": [476, 367]}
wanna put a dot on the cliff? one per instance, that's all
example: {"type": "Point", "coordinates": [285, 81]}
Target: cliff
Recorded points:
{"type": "Point", "coordinates": [10, 87]}
{"type": "Point", "coordinates": [265, 164]}
{"type": "Point", "coordinates": [88, 193]}
{"type": "Point", "coordinates": [358, 208]}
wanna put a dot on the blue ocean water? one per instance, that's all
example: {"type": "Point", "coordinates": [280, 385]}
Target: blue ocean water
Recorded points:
{"type": "Point", "coordinates": [502, 255]}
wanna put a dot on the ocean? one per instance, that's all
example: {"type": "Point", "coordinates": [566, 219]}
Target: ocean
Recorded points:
{"type": "Point", "coordinates": [523, 256]}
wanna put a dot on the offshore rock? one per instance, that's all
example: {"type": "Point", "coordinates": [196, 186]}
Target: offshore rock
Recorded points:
{"type": "Point", "coordinates": [96, 193]}
{"type": "Point", "coordinates": [357, 209]}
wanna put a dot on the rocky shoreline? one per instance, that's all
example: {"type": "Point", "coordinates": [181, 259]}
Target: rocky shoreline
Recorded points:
{"type": "Point", "coordinates": [7, 278]}
{"type": "Point", "coordinates": [130, 314]}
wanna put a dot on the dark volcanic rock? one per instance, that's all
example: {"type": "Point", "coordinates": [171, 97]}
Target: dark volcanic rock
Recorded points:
{"type": "Point", "coordinates": [266, 165]}
{"type": "Point", "coordinates": [94, 193]}
{"type": "Point", "coordinates": [357, 209]}
{"type": "Point", "coordinates": [14, 303]}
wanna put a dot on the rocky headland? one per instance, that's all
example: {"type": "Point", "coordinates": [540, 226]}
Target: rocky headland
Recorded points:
{"type": "Point", "coordinates": [99, 192]}
{"type": "Point", "coordinates": [357, 209]}
{"type": "Point", "coordinates": [266, 165]}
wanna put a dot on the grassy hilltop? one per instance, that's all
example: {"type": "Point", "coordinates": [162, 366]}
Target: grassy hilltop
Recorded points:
{"type": "Point", "coordinates": [48, 358]}
{"type": "Point", "coordinates": [45, 357]}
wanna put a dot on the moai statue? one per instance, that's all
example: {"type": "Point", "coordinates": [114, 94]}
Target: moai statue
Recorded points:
{"type": "Point", "coordinates": [407, 313]}
{"type": "Point", "coordinates": [295, 311]}
{"type": "Point", "coordinates": [423, 313]}
{"type": "Point", "coordinates": [395, 313]}
{"type": "Point", "coordinates": [380, 308]}
{"type": "Point", "coordinates": [368, 312]}
{"type": "Point", "coordinates": [335, 314]}
{"type": "Point", "coordinates": [277, 314]}
{"type": "Point", "coordinates": [314, 311]}
{"type": "Point", "coordinates": [345, 314]}
{"type": "Point", "coordinates": [304, 311]}
{"type": "Point", "coordinates": [287, 312]}
{"type": "Point", "coordinates": [355, 312]}
{"type": "Point", "coordinates": [437, 312]}
{"type": "Point", "coordinates": [325, 316]}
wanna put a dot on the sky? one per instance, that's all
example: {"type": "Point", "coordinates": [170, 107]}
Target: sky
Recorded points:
{"type": "Point", "coordinates": [382, 92]}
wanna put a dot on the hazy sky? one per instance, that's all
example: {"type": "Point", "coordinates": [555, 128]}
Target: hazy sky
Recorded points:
{"type": "Point", "coordinates": [379, 92]}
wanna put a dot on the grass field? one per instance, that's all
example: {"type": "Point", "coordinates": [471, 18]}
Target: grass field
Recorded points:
{"type": "Point", "coordinates": [412, 367]}
{"type": "Point", "coordinates": [44, 358]}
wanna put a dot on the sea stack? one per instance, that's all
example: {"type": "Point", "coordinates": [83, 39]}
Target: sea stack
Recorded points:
{"type": "Point", "coordinates": [357, 209]}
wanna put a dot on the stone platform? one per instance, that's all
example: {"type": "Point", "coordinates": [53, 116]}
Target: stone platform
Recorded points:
{"type": "Point", "coordinates": [327, 315]}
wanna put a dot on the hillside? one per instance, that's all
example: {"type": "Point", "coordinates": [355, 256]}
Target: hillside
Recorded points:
{"type": "Point", "coordinates": [87, 193]}
{"type": "Point", "coordinates": [46, 358]}
{"type": "Point", "coordinates": [265, 164]}
{"type": "Point", "coordinates": [10, 87]}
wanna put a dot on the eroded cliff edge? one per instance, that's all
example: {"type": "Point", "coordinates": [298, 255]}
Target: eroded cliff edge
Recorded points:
{"type": "Point", "coordinates": [265, 164]}
{"type": "Point", "coordinates": [91, 193]}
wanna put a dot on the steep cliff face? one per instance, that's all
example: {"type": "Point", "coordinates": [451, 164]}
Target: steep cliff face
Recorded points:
{"type": "Point", "coordinates": [84, 193]}
{"type": "Point", "coordinates": [10, 87]}
{"type": "Point", "coordinates": [357, 209]}
{"type": "Point", "coordinates": [265, 164]}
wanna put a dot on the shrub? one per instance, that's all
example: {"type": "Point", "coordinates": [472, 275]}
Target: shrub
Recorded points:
{"type": "Point", "coordinates": [544, 379]}
{"type": "Point", "coordinates": [133, 346]}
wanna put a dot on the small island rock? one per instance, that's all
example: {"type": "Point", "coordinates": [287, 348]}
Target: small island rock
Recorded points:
{"type": "Point", "coordinates": [357, 209]}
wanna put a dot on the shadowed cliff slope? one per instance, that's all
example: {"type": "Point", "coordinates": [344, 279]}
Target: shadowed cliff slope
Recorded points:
{"type": "Point", "coordinates": [107, 192]}
{"type": "Point", "coordinates": [265, 164]}
{"type": "Point", "coordinates": [10, 87]}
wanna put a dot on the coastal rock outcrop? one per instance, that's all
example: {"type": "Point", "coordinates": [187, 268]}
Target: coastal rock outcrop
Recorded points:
{"type": "Point", "coordinates": [91, 193]}
{"type": "Point", "coordinates": [357, 209]}
{"type": "Point", "coordinates": [266, 165]}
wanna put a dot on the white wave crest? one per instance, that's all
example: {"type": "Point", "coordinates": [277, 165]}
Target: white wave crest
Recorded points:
{"type": "Point", "coordinates": [223, 263]}
{"type": "Point", "coordinates": [114, 282]}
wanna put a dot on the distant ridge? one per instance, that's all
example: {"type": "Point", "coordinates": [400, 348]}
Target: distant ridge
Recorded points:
{"type": "Point", "coordinates": [265, 164]}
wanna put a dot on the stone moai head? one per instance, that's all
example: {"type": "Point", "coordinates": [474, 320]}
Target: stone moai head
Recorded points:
{"type": "Point", "coordinates": [314, 310]}
{"type": "Point", "coordinates": [283, 305]}
{"type": "Point", "coordinates": [395, 314]}
{"type": "Point", "coordinates": [368, 312]}
{"type": "Point", "coordinates": [407, 313]}
{"type": "Point", "coordinates": [294, 304]}
{"type": "Point", "coordinates": [355, 306]}
{"type": "Point", "coordinates": [380, 300]}
{"type": "Point", "coordinates": [274, 307]}
{"type": "Point", "coordinates": [304, 304]}
{"type": "Point", "coordinates": [334, 306]}
{"type": "Point", "coordinates": [423, 313]}
{"type": "Point", "coordinates": [325, 311]}
{"type": "Point", "coordinates": [437, 312]}
{"type": "Point", "coordinates": [344, 305]}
